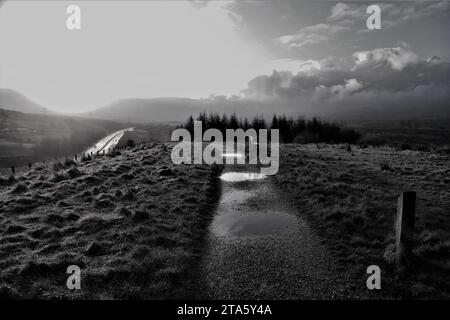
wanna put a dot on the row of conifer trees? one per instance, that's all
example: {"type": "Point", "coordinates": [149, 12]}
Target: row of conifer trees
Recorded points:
{"type": "Point", "coordinates": [298, 130]}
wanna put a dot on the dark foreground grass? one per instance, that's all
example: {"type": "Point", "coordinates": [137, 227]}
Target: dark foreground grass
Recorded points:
{"type": "Point", "coordinates": [351, 198]}
{"type": "Point", "coordinates": [132, 222]}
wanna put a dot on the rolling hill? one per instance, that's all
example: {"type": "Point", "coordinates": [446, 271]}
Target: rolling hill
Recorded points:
{"type": "Point", "coordinates": [178, 109]}
{"type": "Point", "coordinates": [27, 137]}
{"type": "Point", "coordinates": [13, 100]}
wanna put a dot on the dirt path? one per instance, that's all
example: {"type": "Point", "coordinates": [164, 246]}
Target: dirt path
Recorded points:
{"type": "Point", "coordinates": [260, 248]}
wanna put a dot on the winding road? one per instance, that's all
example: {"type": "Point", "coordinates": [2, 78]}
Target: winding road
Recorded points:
{"type": "Point", "coordinates": [107, 143]}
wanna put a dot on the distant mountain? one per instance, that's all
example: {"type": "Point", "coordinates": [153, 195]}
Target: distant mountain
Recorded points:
{"type": "Point", "coordinates": [148, 110]}
{"type": "Point", "coordinates": [13, 100]}
{"type": "Point", "coordinates": [175, 109]}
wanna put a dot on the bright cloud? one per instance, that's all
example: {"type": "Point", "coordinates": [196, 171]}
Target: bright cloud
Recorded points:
{"type": "Point", "coordinates": [397, 57]}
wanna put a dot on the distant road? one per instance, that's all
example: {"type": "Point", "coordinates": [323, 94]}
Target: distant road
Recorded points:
{"type": "Point", "coordinates": [107, 143]}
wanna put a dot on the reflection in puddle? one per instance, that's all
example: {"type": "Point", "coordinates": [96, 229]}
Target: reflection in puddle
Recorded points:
{"type": "Point", "coordinates": [241, 224]}
{"type": "Point", "coordinates": [236, 197]}
{"type": "Point", "coordinates": [241, 176]}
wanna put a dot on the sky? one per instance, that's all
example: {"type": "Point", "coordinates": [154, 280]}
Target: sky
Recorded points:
{"type": "Point", "coordinates": [300, 52]}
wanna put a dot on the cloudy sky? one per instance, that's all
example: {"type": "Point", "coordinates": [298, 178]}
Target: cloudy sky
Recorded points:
{"type": "Point", "coordinates": [298, 52]}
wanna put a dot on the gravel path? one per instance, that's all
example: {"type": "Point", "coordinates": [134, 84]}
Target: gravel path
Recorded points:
{"type": "Point", "coordinates": [260, 248]}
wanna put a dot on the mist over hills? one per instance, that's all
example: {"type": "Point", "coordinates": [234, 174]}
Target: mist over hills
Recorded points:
{"type": "Point", "coordinates": [147, 110]}
{"type": "Point", "coordinates": [177, 109]}
{"type": "Point", "coordinates": [173, 109]}
{"type": "Point", "coordinates": [15, 101]}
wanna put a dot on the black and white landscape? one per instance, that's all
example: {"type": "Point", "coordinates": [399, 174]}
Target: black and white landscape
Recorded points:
{"type": "Point", "coordinates": [93, 204]}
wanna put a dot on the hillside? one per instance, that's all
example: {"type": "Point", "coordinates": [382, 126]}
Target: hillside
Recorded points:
{"type": "Point", "coordinates": [147, 110]}
{"type": "Point", "coordinates": [13, 100]}
{"type": "Point", "coordinates": [179, 109]}
{"type": "Point", "coordinates": [132, 221]}
{"type": "Point", "coordinates": [28, 137]}
{"type": "Point", "coordinates": [350, 196]}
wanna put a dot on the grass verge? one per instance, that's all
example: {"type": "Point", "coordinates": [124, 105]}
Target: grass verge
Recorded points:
{"type": "Point", "coordinates": [133, 222]}
{"type": "Point", "coordinates": [350, 196]}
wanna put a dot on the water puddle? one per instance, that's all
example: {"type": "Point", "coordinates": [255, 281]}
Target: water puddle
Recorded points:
{"type": "Point", "coordinates": [236, 197]}
{"type": "Point", "coordinates": [241, 224]}
{"type": "Point", "coordinates": [249, 211]}
{"type": "Point", "coordinates": [241, 176]}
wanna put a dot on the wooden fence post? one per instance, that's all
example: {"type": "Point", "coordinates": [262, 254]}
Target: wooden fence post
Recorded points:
{"type": "Point", "coordinates": [404, 227]}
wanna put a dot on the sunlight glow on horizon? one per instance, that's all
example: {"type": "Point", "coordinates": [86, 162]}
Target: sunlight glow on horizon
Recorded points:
{"type": "Point", "coordinates": [123, 50]}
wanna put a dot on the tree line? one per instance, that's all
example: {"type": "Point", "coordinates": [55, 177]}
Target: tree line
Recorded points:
{"type": "Point", "coordinates": [291, 130]}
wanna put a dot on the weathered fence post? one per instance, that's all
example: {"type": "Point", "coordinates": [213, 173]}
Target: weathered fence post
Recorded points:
{"type": "Point", "coordinates": [404, 227]}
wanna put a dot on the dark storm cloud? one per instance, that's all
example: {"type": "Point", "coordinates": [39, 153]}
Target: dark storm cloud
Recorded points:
{"type": "Point", "coordinates": [389, 77]}
{"type": "Point", "coordinates": [350, 18]}
{"type": "Point", "coordinates": [393, 13]}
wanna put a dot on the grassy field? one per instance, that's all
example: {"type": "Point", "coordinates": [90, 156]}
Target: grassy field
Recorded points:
{"type": "Point", "coordinates": [421, 135]}
{"type": "Point", "coordinates": [351, 198]}
{"type": "Point", "coordinates": [132, 222]}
